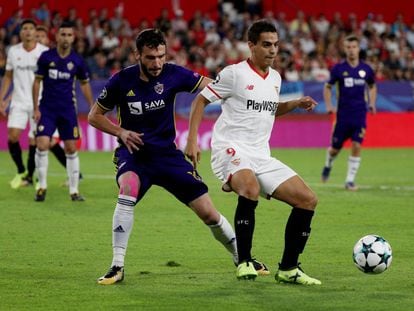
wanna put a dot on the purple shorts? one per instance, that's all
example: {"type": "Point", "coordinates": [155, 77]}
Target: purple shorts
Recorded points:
{"type": "Point", "coordinates": [168, 169]}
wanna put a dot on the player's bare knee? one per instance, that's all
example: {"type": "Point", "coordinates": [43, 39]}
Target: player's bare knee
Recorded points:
{"type": "Point", "coordinates": [129, 185]}
{"type": "Point", "coordinates": [311, 201]}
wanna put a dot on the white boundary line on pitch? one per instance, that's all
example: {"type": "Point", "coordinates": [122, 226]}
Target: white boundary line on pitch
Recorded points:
{"type": "Point", "coordinates": [381, 187]}
{"type": "Point", "coordinates": [319, 185]}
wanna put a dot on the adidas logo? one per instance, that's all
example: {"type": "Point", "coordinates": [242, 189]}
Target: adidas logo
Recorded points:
{"type": "Point", "coordinates": [119, 229]}
{"type": "Point", "coordinates": [130, 93]}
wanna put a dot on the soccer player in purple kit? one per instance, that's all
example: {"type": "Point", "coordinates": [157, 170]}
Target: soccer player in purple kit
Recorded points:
{"type": "Point", "coordinates": [351, 78]}
{"type": "Point", "coordinates": [144, 96]}
{"type": "Point", "coordinates": [58, 69]}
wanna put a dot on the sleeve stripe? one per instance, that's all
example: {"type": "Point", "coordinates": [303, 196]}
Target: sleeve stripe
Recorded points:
{"type": "Point", "coordinates": [214, 92]}
{"type": "Point", "coordinates": [197, 84]}
{"type": "Point", "coordinates": [103, 107]}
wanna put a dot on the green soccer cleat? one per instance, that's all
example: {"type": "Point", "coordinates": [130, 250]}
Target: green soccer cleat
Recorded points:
{"type": "Point", "coordinates": [17, 181]}
{"type": "Point", "coordinates": [246, 271]}
{"type": "Point", "coordinates": [115, 274]}
{"type": "Point", "coordinates": [295, 276]}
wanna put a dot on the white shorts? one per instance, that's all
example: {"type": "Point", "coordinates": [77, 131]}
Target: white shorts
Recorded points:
{"type": "Point", "coordinates": [231, 158]}
{"type": "Point", "coordinates": [19, 115]}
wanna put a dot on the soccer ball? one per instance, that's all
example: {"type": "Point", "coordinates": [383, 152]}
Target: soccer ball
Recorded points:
{"type": "Point", "coordinates": [372, 254]}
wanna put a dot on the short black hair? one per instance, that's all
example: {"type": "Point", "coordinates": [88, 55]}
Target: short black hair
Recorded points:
{"type": "Point", "coordinates": [258, 27]}
{"type": "Point", "coordinates": [67, 25]}
{"type": "Point", "coordinates": [151, 38]}
{"type": "Point", "coordinates": [27, 21]}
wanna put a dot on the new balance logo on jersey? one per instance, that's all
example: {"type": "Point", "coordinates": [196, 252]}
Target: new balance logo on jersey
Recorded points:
{"type": "Point", "coordinates": [263, 106]}
{"type": "Point", "coordinates": [250, 87]}
{"type": "Point", "coordinates": [119, 229]}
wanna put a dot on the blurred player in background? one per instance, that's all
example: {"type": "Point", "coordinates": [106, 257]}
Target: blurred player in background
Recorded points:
{"type": "Point", "coordinates": [241, 158]}
{"type": "Point", "coordinates": [58, 68]}
{"type": "Point", "coordinates": [351, 79]}
{"type": "Point", "coordinates": [20, 67]}
{"type": "Point", "coordinates": [144, 96]}
{"type": "Point", "coordinates": [42, 36]}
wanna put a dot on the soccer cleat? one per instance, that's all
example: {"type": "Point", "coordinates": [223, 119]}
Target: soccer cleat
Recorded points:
{"type": "Point", "coordinates": [295, 276]}
{"type": "Point", "coordinates": [260, 267]}
{"type": "Point", "coordinates": [27, 180]}
{"type": "Point", "coordinates": [40, 195]}
{"type": "Point", "coordinates": [325, 173]}
{"type": "Point", "coordinates": [77, 197]}
{"type": "Point", "coordinates": [17, 181]}
{"type": "Point", "coordinates": [115, 274]}
{"type": "Point", "coordinates": [350, 186]}
{"type": "Point", "coordinates": [246, 271]}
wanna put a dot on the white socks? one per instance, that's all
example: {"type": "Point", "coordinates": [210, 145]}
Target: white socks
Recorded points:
{"type": "Point", "coordinates": [122, 224]}
{"type": "Point", "coordinates": [42, 163]}
{"type": "Point", "coordinates": [224, 233]}
{"type": "Point", "coordinates": [353, 166]}
{"type": "Point", "coordinates": [329, 159]}
{"type": "Point", "coordinates": [72, 169]}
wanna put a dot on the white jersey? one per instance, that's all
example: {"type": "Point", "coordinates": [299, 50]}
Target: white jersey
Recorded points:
{"type": "Point", "coordinates": [249, 102]}
{"type": "Point", "coordinates": [23, 63]}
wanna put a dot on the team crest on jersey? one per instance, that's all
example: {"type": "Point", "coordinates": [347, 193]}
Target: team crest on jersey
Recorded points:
{"type": "Point", "coordinates": [70, 66]}
{"type": "Point", "coordinates": [103, 94]}
{"type": "Point", "coordinates": [159, 88]}
{"type": "Point", "coordinates": [362, 73]}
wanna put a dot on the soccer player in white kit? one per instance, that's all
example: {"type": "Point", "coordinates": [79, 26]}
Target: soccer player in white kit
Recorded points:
{"type": "Point", "coordinates": [241, 158]}
{"type": "Point", "coordinates": [20, 66]}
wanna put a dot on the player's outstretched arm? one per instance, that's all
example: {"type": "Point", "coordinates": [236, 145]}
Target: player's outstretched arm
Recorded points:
{"type": "Point", "coordinates": [307, 103]}
{"type": "Point", "coordinates": [192, 150]}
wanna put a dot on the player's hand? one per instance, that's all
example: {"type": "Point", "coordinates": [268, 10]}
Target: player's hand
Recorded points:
{"type": "Point", "coordinates": [193, 153]}
{"type": "Point", "coordinates": [132, 140]}
{"type": "Point", "coordinates": [307, 103]}
{"type": "Point", "coordinates": [3, 107]}
{"type": "Point", "coordinates": [372, 109]}
{"type": "Point", "coordinates": [36, 115]}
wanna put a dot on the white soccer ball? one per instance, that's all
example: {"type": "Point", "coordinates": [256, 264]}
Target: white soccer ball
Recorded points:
{"type": "Point", "coordinates": [372, 254]}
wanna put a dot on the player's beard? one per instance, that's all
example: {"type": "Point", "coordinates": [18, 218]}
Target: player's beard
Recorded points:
{"type": "Point", "coordinates": [146, 72]}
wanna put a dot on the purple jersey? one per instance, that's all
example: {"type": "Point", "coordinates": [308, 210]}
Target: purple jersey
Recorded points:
{"type": "Point", "coordinates": [59, 76]}
{"type": "Point", "coordinates": [148, 107]}
{"type": "Point", "coordinates": [351, 85]}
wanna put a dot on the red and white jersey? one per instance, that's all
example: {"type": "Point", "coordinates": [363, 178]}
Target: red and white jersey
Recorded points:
{"type": "Point", "coordinates": [249, 102]}
{"type": "Point", "coordinates": [23, 63]}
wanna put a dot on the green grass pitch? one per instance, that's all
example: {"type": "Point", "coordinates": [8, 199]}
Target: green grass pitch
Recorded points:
{"type": "Point", "coordinates": [51, 253]}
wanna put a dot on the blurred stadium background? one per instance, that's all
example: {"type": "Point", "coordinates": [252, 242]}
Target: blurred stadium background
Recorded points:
{"type": "Point", "coordinates": [208, 35]}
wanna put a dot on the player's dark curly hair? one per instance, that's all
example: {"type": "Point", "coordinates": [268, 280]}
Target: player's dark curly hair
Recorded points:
{"type": "Point", "coordinates": [151, 38]}
{"type": "Point", "coordinates": [258, 27]}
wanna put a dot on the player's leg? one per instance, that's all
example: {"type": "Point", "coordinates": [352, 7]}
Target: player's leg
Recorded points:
{"type": "Point", "coordinates": [245, 184]}
{"type": "Point", "coordinates": [72, 168]}
{"type": "Point", "coordinates": [354, 159]}
{"type": "Point", "coordinates": [15, 151]}
{"type": "Point", "coordinates": [218, 224]}
{"type": "Point", "coordinates": [57, 150]}
{"type": "Point", "coordinates": [42, 164]}
{"type": "Point", "coordinates": [122, 224]}
{"type": "Point", "coordinates": [31, 165]}
{"type": "Point", "coordinates": [303, 200]}
{"type": "Point", "coordinates": [337, 140]}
